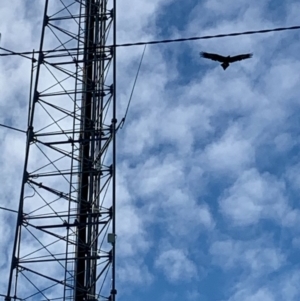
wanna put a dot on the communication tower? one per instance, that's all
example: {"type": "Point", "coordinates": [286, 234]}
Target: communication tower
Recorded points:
{"type": "Point", "coordinates": [64, 243]}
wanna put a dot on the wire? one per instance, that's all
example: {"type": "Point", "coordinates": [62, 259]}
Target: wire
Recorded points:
{"type": "Point", "coordinates": [233, 34]}
{"type": "Point", "coordinates": [135, 80]}
{"type": "Point", "coordinates": [16, 53]}
{"type": "Point", "coordinates": [208, 37]}
{"type": "Point", "coordinates": [11, 128]}
{"type": "Point", "coordinates": [14, 211]}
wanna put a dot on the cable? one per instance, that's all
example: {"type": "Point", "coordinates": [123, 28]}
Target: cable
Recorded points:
{"type": "Point", "coordinates": [208, 37]}
{"type": "Point", "coordinates": [136, 77]}
{"type": "Point", "coordinates": [11, 128]}
{"type": "Point", "coordinates": [16, 53]}
{"type": "Point", "coordinates": [163, 41]}
{"type": "Point", "coordinates": [14, 211]}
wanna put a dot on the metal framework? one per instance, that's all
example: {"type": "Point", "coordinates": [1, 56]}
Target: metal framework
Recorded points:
{"type": "Point", "coordinates": [64, 244]}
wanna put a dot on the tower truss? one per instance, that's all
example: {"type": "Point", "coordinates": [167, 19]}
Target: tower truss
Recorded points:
{"type": "Point", "coordinates": [64, 244]}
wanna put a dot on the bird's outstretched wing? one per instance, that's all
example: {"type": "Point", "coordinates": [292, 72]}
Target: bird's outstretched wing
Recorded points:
{"type": "Point", "coordinates": [213, 56]}
{"type": "Point", "coordinates": [240, 57]}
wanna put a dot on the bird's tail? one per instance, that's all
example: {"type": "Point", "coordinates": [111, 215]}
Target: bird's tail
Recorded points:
{"type": "Point", "coordinates": [224, 65]}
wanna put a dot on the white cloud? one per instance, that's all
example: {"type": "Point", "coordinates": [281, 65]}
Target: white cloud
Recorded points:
{"type": "Point", "coordinates": [279, 287]}
{"type": "Point", "coordinates": [261, 294]}
{"type": "Point", "coordinates": [256, 257]}
{"type": "Point", "coordinates": [284, 142]}
{"type": "Point", "coordinates": [134, 272]}
{"type": "Point", "coordinates": [231, 154]}
{"type": "Point", "coordinates": [289, 285]}
{"type": "Point", "coordinates": [253, 197]}
{"type": "Point", "coordinates": [160, 188]}
{"type": "Point", "coordinates": [176, 265]}
{"type": "Point", "coordinates": [293, 177]}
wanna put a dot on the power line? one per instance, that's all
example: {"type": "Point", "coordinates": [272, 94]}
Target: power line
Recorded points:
{"type": "Point", "coordinates": [233, 34]}
{"type": "Point", "coordinates": [208, 37]}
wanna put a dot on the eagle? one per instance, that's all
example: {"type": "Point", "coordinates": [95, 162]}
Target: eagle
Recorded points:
{"type": "Point", "coordinates": [225, 60]}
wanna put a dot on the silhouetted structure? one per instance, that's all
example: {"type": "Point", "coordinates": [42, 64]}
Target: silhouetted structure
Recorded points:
{"type": "Point", "coordinates": [64, 244]}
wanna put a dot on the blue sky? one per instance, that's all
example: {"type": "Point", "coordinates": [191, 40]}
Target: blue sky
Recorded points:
{"type": "Point", "coordinates": [208, 160]}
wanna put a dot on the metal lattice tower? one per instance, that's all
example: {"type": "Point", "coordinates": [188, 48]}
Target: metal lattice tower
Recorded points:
{"type": "Point", "coordinates": [64, 244]}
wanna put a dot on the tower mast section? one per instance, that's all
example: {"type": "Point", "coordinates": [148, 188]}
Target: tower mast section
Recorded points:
{"type": "Point", "coordinates": [64, 244]}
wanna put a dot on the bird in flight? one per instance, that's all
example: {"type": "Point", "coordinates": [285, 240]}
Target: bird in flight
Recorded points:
{"type": "Point", "coordinates": [225, 60]}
